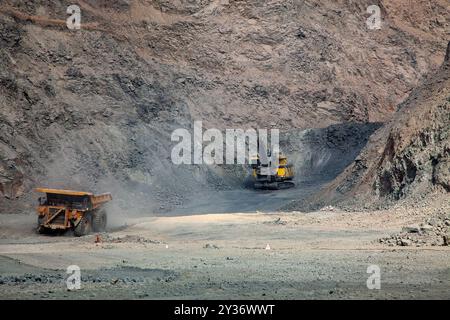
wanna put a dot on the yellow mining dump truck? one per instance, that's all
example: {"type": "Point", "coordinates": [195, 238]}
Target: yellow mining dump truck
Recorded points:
{"type": "Point", "coordinates": [71, 210]}
{"type": "Point", "coordinates": [267, 176]}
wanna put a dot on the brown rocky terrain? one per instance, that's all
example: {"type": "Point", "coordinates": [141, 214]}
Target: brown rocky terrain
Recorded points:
{"type": "Point", "coordinates": [364, 117]}
{"type": "Point", "coordinates": [94, 108]}
{"type": "Point", "coordinates": [409, 157]}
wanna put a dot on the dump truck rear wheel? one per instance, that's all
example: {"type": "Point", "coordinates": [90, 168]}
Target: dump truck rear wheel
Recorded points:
{"type": "Point", "coordinates": [83, 227]}
{"type": "Point", "coordinates": [99, 221]}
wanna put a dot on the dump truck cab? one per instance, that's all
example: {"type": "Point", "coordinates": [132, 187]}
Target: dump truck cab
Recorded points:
{"type": "Point", "coordinates": [67, 209]}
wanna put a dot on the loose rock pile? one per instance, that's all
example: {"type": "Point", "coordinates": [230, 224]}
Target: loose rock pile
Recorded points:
{"type": "Point", "coordinates": [435, 231]}
{"type": "Point", "coordinates": [106, 238]}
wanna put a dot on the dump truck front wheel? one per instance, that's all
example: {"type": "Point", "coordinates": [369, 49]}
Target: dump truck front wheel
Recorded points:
{"type": "Point", "coordinates": [83, 227]}
{"type": "Point", "coordinates": [40, 228]}
{"type": "Point", "coordinates": [99, 221]}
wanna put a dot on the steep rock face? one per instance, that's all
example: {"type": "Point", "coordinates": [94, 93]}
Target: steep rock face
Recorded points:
{"type": "Point", "coordinates": [94, 108]}
{"type": "Point", "coordinates": [417, 151]}
{"type": "Point", "coordinates": [409, 156]}
{"type": "Point", "coordinates": [11, 180]}
{"type": "Point", "coordinates": [424, 160]}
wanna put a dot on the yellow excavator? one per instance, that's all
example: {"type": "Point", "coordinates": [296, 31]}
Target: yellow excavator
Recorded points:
{"type": "Point", "coordinates": [267, 174]}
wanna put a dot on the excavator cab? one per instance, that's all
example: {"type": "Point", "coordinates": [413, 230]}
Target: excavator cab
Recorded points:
{"type": "Point", "coordinates": [269, 175]}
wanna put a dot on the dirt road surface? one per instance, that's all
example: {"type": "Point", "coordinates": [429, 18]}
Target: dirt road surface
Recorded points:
{"type": "Point", "coordinates": [252, 255]}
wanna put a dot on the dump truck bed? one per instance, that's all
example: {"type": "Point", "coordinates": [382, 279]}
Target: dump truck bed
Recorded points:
{"type": "Point", "coordinates": [101, 198]}
{"type": "Point", "coordinates": [96, 200]}
{"type": "Point", "coordinates": [64, 192]}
